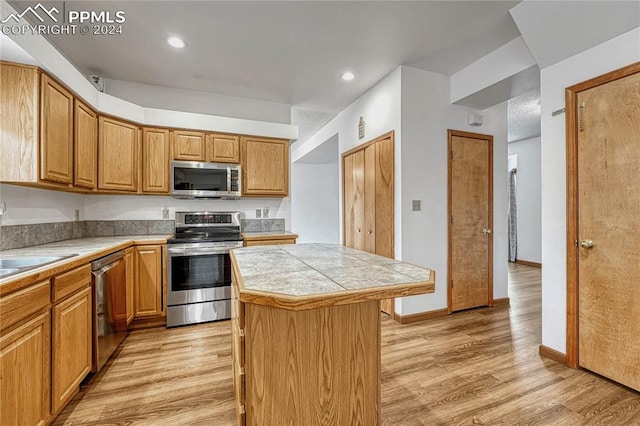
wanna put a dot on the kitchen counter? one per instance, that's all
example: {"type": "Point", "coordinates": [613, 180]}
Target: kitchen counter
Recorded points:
{"type": "Point", "coordinates": [307, 276]}
{"type": "Point", "coordinates": [87, 250]}
{"type": "Point", "coordinates": [262, 238]}
{"type": "Point", "coordinates": [306, 331]}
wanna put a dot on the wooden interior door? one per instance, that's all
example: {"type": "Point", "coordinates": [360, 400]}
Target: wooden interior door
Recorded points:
{"type": "Point", "coordinates": [470, 220]}
{"type": "Point", "coordinates": [608, 152]}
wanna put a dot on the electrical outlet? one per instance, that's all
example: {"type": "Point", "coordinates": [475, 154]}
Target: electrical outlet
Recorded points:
{"type": "Point", "coordinates": [3, 207]}
{"type": "Point", "coordinates": [258, 213]}
{"type": "Point", "coordinates": [416, 205]}
{"type": "Point", "coordinates": [77, 214]}
{"type": "Point", "coordinates": [165, 213]}
{"type": "Point", "coordinates": [265, 212]}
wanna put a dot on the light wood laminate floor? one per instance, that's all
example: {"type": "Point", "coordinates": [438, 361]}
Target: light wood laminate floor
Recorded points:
{"type": "Point", "coordinates": [479, 367]}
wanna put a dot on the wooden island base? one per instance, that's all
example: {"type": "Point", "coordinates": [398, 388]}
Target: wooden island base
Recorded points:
{"type": "Point", "coordinates": [313, 367]}
{"type": "Point", "coordinates": [306, 332]}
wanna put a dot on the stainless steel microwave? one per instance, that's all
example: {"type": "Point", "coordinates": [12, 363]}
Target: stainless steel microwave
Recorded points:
{"type": "Point", "coordinates": [195, 179]}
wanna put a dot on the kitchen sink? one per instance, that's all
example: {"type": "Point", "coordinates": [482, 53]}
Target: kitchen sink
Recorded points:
{"type": "Point", "coordinates": [15, 265]}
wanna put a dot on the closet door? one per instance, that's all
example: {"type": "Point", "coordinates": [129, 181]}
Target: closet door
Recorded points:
{"type": "Point", "coordinates": [354, 182]}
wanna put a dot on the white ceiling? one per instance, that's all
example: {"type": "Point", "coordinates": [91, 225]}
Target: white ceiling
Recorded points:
{"type": "Point", "coordinates": [523, 116]}
{"type": "Point", "coordinates": [290, 52]}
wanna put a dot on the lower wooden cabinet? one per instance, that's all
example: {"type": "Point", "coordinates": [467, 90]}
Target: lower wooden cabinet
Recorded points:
{"type": "Point", "coordinates": [148, 281]}
{"type": "Point", "coordinates": [71, 348]}
{"type": "Point", "coordinates": [130, 264]}
{"type": "Point", "coordinates": [25, 370]}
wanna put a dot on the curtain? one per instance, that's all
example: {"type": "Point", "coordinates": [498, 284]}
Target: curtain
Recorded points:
{"type": "Point", "coordinates": [512, 216]}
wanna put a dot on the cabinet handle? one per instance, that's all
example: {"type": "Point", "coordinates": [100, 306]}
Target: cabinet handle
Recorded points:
{"type": "Point", "coordinates": [369, 232]}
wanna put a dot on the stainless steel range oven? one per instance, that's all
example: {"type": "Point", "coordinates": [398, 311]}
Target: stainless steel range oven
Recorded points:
{"type": "Point", "coordinates": [199, 268]}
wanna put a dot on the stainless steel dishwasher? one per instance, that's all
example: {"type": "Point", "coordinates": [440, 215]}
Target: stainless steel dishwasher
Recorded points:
{"type": "Point", "coordinates": [109, 306]}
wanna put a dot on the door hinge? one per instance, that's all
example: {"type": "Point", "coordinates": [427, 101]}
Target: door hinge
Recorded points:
{"type": "Point", "coordinates": [581, 116]}
{"type": "Point", "coordinates": [451, 219]}
{"type": "Point", "coordinates": [451, 154]}
{"type": "Point", "coordinates": [451, 283]}
{"type": "Point", "coordinates": [577, 245]}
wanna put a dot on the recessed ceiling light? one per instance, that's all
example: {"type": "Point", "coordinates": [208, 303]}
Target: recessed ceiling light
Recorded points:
{"type": "Point", "coordinates": [348, 76]}
{"type": "Point", "coordinates": [176, 42]}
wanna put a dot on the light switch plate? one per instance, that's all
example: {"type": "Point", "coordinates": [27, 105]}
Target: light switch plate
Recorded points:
{"type": "Point", "coordinates": [165, 213]}
{"type": "Point", "coordinates": [416, 205]}
{"type": "Point", "coordinates": [258, 213]}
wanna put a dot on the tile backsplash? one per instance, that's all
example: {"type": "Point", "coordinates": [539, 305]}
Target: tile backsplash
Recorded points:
{"type": "Point", "coordinates": [18, 236]}
{"type": "Point", "coordinates": [261, 225]}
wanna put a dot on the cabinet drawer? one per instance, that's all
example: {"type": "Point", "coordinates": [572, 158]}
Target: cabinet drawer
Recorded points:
{"type": "Point", "coordinates": [69, 282]}
{"type": "Point", "coordinates": [24, 303]}
{"type": "Point", "coordinates": [269, 242]}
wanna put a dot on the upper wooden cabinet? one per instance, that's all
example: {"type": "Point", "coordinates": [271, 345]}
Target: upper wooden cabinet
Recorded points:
{"type": "Point", "coordinates": [155, 160]}
{"type": "Point", "coordinates": [265, 166]}
{"type": "Point", "coordinates": [223, 148]}
{"type": "Point", "coordinates": [118, 155]}
{"type": "Point", "coordinates": [85, 146]}
{"type": "Point", "coordinates": [56, 132]}
{"type": "Point", "coordinates": [188, 146]}
{"type": "Point", "coordinates": [19, 119]}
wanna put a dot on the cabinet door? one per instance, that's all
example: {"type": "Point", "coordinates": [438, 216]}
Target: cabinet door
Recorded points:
{"type": "Point", "coordinates": [25, 369]}
{"type": "Point", "coordinates": [148, 298]}
{"type": "Point", "coordinates": [223, 148]}
{"type": "Point", "coordinates": [118, 155]}
{"type": "Point", "coordinates": [85, 151]}
{"type": "Point", "coordinates": [188, 146]}
{"type": "Point", "coordinates": [265, 164]}
{"type": "Point", "coordinates": [19, 123]}
{"type": "Point", "coordinates": [130, 264]}
{"type": "Point", "coordinates": [155, 160]}
{"type": "Point", "coordinates": [71, 349]}
{"type": "Point", "coordinates": [56, 132]}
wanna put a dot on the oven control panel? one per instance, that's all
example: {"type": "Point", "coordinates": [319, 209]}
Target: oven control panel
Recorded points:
{"type": "Point", "coordinates": [185, 219]}
{"type": "Point", "coordinates": [190, 219]}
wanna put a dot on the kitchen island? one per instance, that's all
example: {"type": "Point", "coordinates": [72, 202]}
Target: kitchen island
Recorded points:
{"type": "Point", "coordinates": [306, 331]}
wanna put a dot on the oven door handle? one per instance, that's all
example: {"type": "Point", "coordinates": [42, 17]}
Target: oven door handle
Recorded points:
{"type": "Point", "coordinates": [197, 252]}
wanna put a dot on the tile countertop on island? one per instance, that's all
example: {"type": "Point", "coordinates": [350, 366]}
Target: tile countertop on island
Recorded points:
{"type": "Point", "coordinates": [308, 276]}
{"type": "Point", "coordinates": [86, 250]}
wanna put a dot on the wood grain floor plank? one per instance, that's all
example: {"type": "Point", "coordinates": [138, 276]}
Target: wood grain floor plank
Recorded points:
{"type": "Point", "coordinates": [476, 367]}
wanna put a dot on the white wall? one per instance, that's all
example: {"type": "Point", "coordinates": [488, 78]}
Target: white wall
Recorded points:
{"type": "Point", "coordinates": [30, 205]}
{"type": "Point", "coordinates": [426, 116]}
{"type": "Point", "coordinates": [416, 104]}
{"type": "Point", "coordinates": [149, 207]}
{"type": "Point", "coordinates": [380, 107]}
{"type": "Point", "coordinates": [151, 96]}
{"type": "Point", "coordinates": [315, 210]}
{"type": "Point", "coordinates": [613, 54]}
{"type": "Point", "coordinates": [528, 199]}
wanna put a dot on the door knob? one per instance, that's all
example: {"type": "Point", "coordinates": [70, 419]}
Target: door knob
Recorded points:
{"type": "Point", "coordinates": [586, 244]}
{"type": "Point", "coordinates": [486, 231]}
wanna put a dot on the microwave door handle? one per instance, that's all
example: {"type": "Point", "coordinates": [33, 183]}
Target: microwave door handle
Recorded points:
{"type": "Point", "coordinates": [228, 179]}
